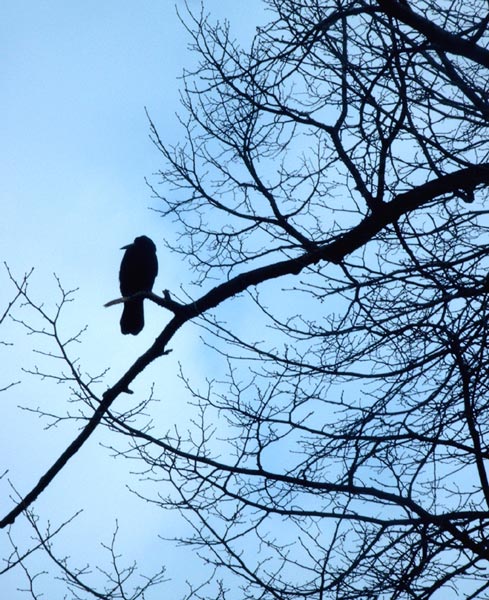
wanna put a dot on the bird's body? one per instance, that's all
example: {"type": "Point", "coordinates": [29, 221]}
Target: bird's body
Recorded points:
{"type": "Point", "coordinates": [138, 271]}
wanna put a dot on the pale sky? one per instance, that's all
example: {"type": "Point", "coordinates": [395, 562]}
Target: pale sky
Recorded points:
{"type": "Point", "coordinates": [75, 78]}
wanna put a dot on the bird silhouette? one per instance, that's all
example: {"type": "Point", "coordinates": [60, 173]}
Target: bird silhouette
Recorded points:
{"type": "Point", "coordinates": [138, 271]}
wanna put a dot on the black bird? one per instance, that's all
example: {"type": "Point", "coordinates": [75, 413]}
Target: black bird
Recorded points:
{"type": "Point", "coordinates": [138, 271]}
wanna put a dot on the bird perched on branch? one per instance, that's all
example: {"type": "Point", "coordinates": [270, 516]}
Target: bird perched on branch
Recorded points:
{"type": "Point", "coordinates": [138, 271]}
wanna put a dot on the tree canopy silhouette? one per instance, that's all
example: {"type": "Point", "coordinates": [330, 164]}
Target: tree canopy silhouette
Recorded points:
{"type": "Point", "coordinates": [333, 179]}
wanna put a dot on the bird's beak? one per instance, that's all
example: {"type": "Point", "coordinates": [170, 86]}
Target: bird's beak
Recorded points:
{"type": "Point", "coordinates": [125, 247]}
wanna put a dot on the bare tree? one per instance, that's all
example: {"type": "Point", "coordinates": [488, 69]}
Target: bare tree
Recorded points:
{"type": "Point", "coordinates": [342, 452]}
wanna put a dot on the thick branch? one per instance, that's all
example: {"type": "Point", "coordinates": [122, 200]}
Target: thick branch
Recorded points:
{"type": "Point", "coordinates": [450, 42]}
{"type": "Point", "coordinates": [334, 252]}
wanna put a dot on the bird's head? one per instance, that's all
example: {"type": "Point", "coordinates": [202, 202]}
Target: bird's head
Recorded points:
{"type": "Point", "coordinates": [143, 241]}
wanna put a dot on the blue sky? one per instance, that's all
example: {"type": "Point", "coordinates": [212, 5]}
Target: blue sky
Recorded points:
{"type": "Point", "coordinates": [75, 78]}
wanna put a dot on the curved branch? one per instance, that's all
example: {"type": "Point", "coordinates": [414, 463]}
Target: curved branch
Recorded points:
{"type": "Point", "coordinates": [335, 252]}
{"type": "Point", "coordinates": [448, 41]}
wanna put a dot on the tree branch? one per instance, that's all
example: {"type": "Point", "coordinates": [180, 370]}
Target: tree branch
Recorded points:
{"type": "Point", "coordinates": [335, 252]}
{"type": "Point", "coordinates": [450, 42]}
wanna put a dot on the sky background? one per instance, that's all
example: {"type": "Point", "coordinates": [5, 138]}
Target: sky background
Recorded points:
{"type": "Point", "coordinates": [75, 78]}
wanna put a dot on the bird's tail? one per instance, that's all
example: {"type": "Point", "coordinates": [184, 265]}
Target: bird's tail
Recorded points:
{"type": "Point", "coordinates": [132, 320]}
